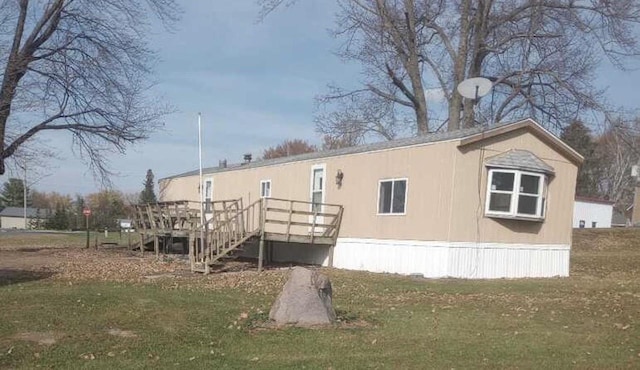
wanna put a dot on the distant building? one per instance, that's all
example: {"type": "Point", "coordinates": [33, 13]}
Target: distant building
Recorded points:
{"type": "Point", "coordinates": [13, 217]}
{"type": "Point", "coordinates": [592, 213]}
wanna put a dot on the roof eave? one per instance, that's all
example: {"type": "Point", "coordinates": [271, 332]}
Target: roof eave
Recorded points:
{"type": "Point", "coordinates": [524, 168]}
{"type": "Point", "coordinates": [534, 128]}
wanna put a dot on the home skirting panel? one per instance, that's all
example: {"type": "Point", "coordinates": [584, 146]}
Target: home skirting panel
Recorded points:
{"type": "Point", "coordinates": [453, 259]}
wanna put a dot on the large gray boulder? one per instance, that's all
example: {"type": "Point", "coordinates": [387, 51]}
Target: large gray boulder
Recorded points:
{"type": "Point", "coordinates": [305, 300]}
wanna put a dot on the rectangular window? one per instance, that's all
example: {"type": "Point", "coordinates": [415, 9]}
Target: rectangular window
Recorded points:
{"type": "Point", "coordinates": [208, 194]}
{"type": "Point", "coordinates": [392, 196]}
{"type": "Point", "coordinates": [515, 193]}
{"type": "Point", "coordinates": [265, 189]}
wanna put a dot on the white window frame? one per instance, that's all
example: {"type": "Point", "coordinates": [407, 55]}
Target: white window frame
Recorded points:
{"type": "Point", "coordinates": [266, 194]}
{"type": "Point", "coordinates": [406, 196]}
{"type": "Point", "coordinates": [204, 194]}
{"type": "Point", "coordinates": [541, 202]}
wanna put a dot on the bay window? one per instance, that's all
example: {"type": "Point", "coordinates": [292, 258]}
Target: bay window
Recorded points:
{"type": "Point", "coordinates": [515, 194]}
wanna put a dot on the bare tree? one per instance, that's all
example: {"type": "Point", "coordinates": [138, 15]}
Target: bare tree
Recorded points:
{"type": "Point", "coordinates": [81, 66]}
{"type": "Point", "coordinates": [356, 116]}
{"type": "Point", "coordinates": [540, 54]}
{"type": "Point", "coordinates": [338, 142]}
{"type": "Point", "coordinates": [288, 148]}
{"type": "Point", "coordinates": [619, 150]}
{"type": "Point", "coordinates": [268, 6]}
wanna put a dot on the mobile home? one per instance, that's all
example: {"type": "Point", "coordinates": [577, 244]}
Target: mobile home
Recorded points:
{"type": "Point", "coordinates": [485, 202]}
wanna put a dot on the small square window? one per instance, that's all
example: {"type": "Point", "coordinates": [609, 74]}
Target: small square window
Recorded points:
{"type": "Point", "coordinates": [392, 196]}
{"type": "Point", "coordinates": [208, 195]}
{"type": "Point", "coordinates": [265, 189]}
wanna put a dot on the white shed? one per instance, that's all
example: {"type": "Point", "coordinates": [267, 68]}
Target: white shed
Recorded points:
{"type": "Point", "coordinates": [592, 213]}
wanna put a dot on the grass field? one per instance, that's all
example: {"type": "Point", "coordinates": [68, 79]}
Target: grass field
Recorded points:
{"type": "Point", "coordinates": [589, 320]}
{"type": "Point", "coordinates": [54, 239]}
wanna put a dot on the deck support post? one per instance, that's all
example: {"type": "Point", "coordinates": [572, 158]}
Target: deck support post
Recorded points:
{"type": "Point", "coordinates": [156, 244]}
{"type": "Point", "coordinates": [207, 259]}
{"type": "Point", "coordinates": [331, 248]}
{"type": "Point", "coordinates": [192, 252]}
{"type": "Point", "coordinates": [263, 216]}
{"type": "Point", "coordinates": [261, 253]}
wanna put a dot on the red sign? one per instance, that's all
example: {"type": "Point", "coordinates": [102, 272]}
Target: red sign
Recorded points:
{"type": "Point", "coordinates": [86, 212]}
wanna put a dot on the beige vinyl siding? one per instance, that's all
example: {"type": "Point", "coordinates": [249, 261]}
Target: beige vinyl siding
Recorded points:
{"type": "Point", "coordinates": [445, 192]}
{"type": "Point", "coordinates": [428, 169]}
{"type": "Point", "coordinates": [468, 221]}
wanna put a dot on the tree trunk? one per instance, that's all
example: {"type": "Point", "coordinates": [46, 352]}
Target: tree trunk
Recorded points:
{"type": "Point", "coordinates": [12, 74]}
{"type": "Point", "coordinates": [459, 66]}
{"type": "Point", "coordinates": [478, 51]}
{"type": "Point", "coordinates": [413, 70]}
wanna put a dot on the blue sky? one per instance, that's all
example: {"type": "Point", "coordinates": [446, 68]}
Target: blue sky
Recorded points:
{"type": "Point", "coordinates": [253, 82]}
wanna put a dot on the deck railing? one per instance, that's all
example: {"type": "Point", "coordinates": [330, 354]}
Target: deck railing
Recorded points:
{"type": "Point", "coordinates": [294, 217]}
{"type": "Point", "coordinates": [228, 224]}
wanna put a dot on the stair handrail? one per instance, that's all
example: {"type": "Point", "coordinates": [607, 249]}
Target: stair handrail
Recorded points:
{"type": "Point", "coordinates": [227, 227]}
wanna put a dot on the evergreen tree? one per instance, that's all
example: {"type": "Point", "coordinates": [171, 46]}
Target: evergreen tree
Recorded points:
{"type": "Point", "coordinates": [12, 194]}
{"type": "Point", "coordinates": [78, 217]}
{"type": "Point", "coordinates": [148, 195]}
{"type": "Point", "coordinates": [59, 220]}
{"type": "Point", "coordinates": [579, 137]}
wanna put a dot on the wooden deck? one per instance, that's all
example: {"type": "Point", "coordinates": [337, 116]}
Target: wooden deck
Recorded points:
{"type": "Point", "coordinates": [229, 225]}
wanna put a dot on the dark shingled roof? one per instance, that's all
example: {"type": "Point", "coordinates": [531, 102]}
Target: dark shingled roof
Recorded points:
{"type": "Point", "coordinates": [19, 212]}
{"type": "Point", "coordinates": [410, 141]}
{"type": "Point", "coordinates": [520, 160]}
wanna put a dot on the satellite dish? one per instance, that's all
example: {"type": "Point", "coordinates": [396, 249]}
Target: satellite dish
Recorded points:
{"type": "Point", "coordinates": [474, 88]}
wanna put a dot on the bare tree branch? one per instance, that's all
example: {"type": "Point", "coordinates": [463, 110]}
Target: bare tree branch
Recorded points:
{"type": "Point", "coordinates": [80, 66]}
{"type": "Point", "coordinates": [542, 55]}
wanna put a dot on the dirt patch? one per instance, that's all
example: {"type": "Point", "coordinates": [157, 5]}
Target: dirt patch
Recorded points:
{"type": "Point", "coordinates": [29, 259]}
{"type": "Point", "coordinates": [122, 333]}
{"type": "Point", "coordinates": [122, 265]}
{"type": "Point", "coordinates": [43, 338]}
{"type": "Point", "coordinates": [85, 264]}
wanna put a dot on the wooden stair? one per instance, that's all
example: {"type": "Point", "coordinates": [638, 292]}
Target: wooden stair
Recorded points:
{"type": "Point", "coordinates": [227, 231]}
{"type": "Point", "coordinates": [234, 247]}
{"type": "Point", "coordinates": [268, 219]}
{"type": "Point", "coordinates": [146, 240]}
{"type": "Point", "coordinates": [230, 252]}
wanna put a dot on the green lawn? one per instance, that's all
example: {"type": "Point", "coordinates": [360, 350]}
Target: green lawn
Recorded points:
{"type": "Point", "coordinates": [590, 320]}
